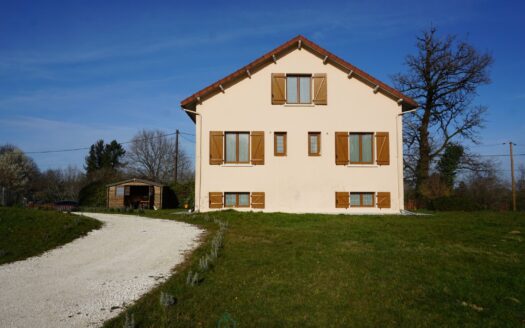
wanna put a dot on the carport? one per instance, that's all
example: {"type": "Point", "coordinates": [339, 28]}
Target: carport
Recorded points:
{"type": "Point", "coordinates": [136, 193]}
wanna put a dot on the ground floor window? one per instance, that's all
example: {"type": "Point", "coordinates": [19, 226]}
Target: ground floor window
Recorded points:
{"type": "Point", "coordinates": [361, 199]}
{"type": "Point", "coordinates": [237, 199]}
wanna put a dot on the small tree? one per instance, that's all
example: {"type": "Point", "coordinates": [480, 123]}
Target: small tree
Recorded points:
{"type": "Point", "coordinates": [449, 163]}
{"type": "Point", "coordinates": [520, 188]}
{"type": "Point", "coordinates": [102, 164]}
{"type": "Point", "coordinates": [17, 172]}
{"type": "Point", "coordinates": [104, 156]}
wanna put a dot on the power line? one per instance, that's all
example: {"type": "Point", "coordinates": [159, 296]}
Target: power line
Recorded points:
{"type": "Point", "coordinates": [494, 155]}
{"type": "Point", "coordinates": [86, 148]}
{"type": "Point", "coordinates": [487, 145]}
{"type": "Point", "coordinates": [187, 139]}
{"type": "Point", "coordinates": [56, 151]}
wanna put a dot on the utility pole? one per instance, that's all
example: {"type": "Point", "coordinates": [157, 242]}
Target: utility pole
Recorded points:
{"type": "Point", "coordinates": [512, 176]}
{"type": "Point", "coordinates": [176, 155]}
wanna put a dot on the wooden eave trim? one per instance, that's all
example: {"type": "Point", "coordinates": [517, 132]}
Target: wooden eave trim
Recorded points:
{"type": "Point", "coordinates": [147, 182]}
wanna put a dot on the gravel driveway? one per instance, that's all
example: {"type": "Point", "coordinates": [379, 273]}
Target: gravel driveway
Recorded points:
{"type": "Point", "coordinates": [87, 281]}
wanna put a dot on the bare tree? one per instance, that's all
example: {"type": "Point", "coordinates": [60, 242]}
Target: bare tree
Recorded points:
{"type": "Point", "coordinates": [443, 77]}
{"type": "Point", "coordinates": [59, 184]}
{"type": "Point", "coordinates": [152, 156]}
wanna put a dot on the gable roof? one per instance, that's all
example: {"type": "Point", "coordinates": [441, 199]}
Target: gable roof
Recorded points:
{"type": "Point", "coordinates": [297, 42]}
{"type": "Point", "coordinates": [152, 183]}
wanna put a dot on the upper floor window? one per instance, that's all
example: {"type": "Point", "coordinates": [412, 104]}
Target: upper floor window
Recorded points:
{"type": "Point", "coordinates": [237, 147]}
{"type": "Point", "coordinates": [358, 148]}
{"type": "Point", "coordinates": [279, 144]}
{"type": "Point", "coordinates": [361, 148]}
{"type": "Point", "coordinates": [298, 89]}
{"type": "Point", "coordinates": [314, 143]}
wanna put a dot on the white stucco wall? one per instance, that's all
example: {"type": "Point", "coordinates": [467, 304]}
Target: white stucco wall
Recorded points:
{"type": "Point", "coordinates": [299, 183]}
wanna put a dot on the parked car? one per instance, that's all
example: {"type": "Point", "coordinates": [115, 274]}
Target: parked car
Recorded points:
{"type": "Point", "coordinates": [66, 205]}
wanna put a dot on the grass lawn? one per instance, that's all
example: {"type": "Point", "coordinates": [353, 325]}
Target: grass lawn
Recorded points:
{"type": "Point", "coordinates": [282, 270]}
{"type": "Point", "coordinates": [29, 232]}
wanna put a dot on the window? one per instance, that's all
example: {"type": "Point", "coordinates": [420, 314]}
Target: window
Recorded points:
{"type": "Point", "coordinates": [237, 199]}
{"type": "Point", "coordinates": [361, 199]}
{"type": "Point", "coordinates": [314, 143]}
{"type": "Point", "coordinates": [279, 148]}
{"type": "Point", "coordinates": [119, 192]}
{"type": "Point", "coordinates": [237, 147]}
{"type": "Point", "coordinates": [361, 145]}
{"type": "Point", "coordinates": [298, 89]}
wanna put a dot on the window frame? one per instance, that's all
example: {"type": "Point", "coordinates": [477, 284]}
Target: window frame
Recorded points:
{"type": "Point", "coordinates": [298, 86]}
{"type": "Point", "coordinates": [361, 194]}
{"type": "Point", "coordinates": [285, 137]}
{"type": "Point", "coordinates": [318, 153]}
{"type": "Point", "coordinates": [237, 133]}
{"type": "Point", "coordinates": [237, 204]}
{"type": "Point", "coordinates": [360, 134]}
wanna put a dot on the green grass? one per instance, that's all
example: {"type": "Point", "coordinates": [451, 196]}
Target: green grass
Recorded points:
{"type": "Point", "coordinates": [282, 270]}
{"type": "Point", "coordinates": [29, 232]}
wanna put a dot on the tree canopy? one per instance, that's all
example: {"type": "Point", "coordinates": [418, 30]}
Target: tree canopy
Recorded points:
{"type": "Point", "coordinates": [104, 156]}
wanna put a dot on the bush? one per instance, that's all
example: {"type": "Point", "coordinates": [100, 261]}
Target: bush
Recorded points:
{"type": "Point", "coordinates": [93, 194]}
{"type": "Point", "coordinates": [453, 203]}
{"type": "Point", "coordinates": [184, 193]}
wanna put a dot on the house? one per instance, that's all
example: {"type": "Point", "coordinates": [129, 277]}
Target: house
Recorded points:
{"type": "Point", "coordinates": [138, 193]}
{"type": "Point", "coordinates": [299, 130]}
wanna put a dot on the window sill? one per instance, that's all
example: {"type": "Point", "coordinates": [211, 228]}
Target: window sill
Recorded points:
{"type": "Point", "coordinates": [299, 105]}
{"type": "Point", "coordinates": [238, 165]}
{"type": "Point", "coordinates": [362, 165]}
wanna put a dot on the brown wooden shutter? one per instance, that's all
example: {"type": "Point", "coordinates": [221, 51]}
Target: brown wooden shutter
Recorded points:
{"type": "Point", "coordinates": [341, 148]}
{"type": "Point", "coordinates": [257, 145]}
{"type": "Point", "coordinates": [216, 147]}
{"type": "Point", "coordinates": [215, 199]}
{"type": "Point", "coordinates": [382, 148]}
{"type": "Point", "coordinates": [258, 199]}
{"type": "Point", "coordinates": [278, 88]}
{"type": "Point", "coordinates": [342, 199]}
{"type": "Point", "coordinates": [383, 200]}
{"type": "Point", "coordinates": [320, 89]}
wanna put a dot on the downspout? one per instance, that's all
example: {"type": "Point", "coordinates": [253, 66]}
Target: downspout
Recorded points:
{"type": "Point", "coordinates": [400, 179]}
{"type": "Point", "coordinates": [198, 144]}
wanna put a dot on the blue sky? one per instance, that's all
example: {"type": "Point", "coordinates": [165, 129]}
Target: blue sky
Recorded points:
{"type": "Point", "coordinates": [72, 72]}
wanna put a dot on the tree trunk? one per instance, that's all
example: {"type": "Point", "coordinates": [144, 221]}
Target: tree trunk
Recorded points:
{"type": "Point", "coordinates": [423, 165]}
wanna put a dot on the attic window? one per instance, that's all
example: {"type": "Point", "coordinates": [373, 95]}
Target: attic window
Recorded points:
{"type": "Point", "coordinates": [298, 89]}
